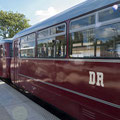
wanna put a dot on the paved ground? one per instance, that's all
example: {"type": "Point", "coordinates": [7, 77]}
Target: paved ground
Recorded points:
{"type": "Point", "coordinates": [15, 106]}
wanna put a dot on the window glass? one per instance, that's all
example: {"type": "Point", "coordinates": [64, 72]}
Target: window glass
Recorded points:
{"type": "Point", "coordinates": [24, 39]}
{"type": "Point", "coordinates": [53, 30]}
{"type": "Point", "coordinates": [43, 33]}
{"type": "Point", "coordinates": [28, 46]}
{"type": "Point", "coordinates": [52, 47]}
{"type": "Point", "coordinates": [45, 48]}
{"type": "Point", "coordinates": [60, 45]}
{"type": "Point", "coordinates": [82, 43]}
{"type": "Point", "coordinates": [82, 22]}
{"type": "Point", "coordinates": [58, 29]}
{"type": "Point", "coordinates": [27, 52]}
{"type": "Point", "coordinates": [117, 40]}
{"type": "Point", "coordinates": [28, 49]}
{"type": "Point", "coordinates": [102, 42]}
{"type": "Point", "coordinates": [51, 44]}
{"type": "Point", "coordinates": [108, 41]}
{"type": "Point", "coordinates": [109, 14]}
{"type": "Point", "coordinates": [31, 37]}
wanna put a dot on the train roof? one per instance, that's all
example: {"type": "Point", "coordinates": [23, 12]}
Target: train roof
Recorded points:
{"type": "Point", "coordinates": [80, 9]}
{"type": "Point", "coordinates": [7, 40]}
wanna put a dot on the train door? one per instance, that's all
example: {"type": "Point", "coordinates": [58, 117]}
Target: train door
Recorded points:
{"type": "Point", "coordinates": [15, 61]}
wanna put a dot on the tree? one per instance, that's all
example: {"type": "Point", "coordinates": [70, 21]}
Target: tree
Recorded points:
{"type": "Point", "coordinates": [11, 23]}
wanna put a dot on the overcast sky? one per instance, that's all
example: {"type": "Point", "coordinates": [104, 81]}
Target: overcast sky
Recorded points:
{"type": "Point", "coordinates": [37, 10]}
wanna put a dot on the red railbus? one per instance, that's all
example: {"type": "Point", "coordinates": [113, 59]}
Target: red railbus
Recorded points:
{"type": "Point", "coordinates": [72, 60]}
{"type": "Point", "coordinates": [5, 58]}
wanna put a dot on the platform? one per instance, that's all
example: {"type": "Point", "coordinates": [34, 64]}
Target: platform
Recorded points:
{"type": "Point", "coordinates": [16, 106]}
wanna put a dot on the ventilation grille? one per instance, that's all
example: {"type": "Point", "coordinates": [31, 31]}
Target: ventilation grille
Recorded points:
{"type": "Point", "coordinates": [88, 114]}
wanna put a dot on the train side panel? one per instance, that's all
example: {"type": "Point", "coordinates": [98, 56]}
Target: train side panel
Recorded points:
{"type": "Point", "coordinates": [65, 84]}
{"type": "Point", "coordinates": [79, 59]}
{"type": "Point", "coordinates": [5, 61]}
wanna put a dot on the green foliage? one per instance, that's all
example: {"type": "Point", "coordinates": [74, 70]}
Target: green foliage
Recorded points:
{"type": "Point", "coordinates": [11, 23]}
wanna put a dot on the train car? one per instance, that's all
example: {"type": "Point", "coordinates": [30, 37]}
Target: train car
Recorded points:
{"type": "Point", "coordinates": [72, 60]}
{"type": "Point", "coordinates": [5, 58]}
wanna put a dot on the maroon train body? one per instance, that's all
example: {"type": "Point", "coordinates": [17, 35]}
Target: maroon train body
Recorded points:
{"type": "Point", "coordinates": [5, 58]}
{"type": "Point", "coordinates": [72, 60]}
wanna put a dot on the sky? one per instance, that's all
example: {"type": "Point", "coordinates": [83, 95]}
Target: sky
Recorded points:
{"type": "Point", "coordinates": [37, 10]}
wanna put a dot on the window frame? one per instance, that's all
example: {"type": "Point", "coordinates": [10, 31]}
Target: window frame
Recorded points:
{"type": "Point", "coordinates": [82, 28]}
{"type": "Point", "coordinates": [29, 47]}
{"type": "Point", "coordinates": [90, 45]}
{"type": "Point", "coordinates": [51, 36]}
{"type": "Point", "coordinates": [108, 8]}
{"type": "Point", "coordinates": [94, 26]}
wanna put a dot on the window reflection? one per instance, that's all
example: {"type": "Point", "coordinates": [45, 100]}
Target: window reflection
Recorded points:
{"type": "Point", "coordinates": [52, 47]}
{"type": "Point", "coordinates": [82, 22]}
{"type": "Point", "coordinates": [24, 39]}
{"type": "Point", "coordinates": [52, 44]}
{"type": "Point", "coordinates": [101, 42]}
{"type": "Point", "coordinates": [106, 41]}
{"type": "Point", "coordinates": [27, 52]}
{"type": "Point", "coordinates": [60, 46]}
{"type": "Point", "coordinates": [109, 14]}
{"type": "Point", "coordinates": [82, 43]}
{"type": "Point", "coordinates": [28, 46]}
{"type": "Point", "coordinates": [43, 46]}
{"type": "Point", "coordinates": [43, 33]}
{"type": "Point", "coordinates": [58, 29]}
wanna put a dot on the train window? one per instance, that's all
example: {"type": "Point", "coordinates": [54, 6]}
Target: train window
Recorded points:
{"type": "Point", "coordinates": [109, 14]}
{"type": "Point", "coordinates": [60, 45]}
{"type": "Point", "coordinates": [28, 49]}
{"type": "Point", "coordinates": [53, 30]}
{"type": "Point", "coordinates": [43, 33]}
{"type": "Point", "coordinates": [24, 39]}
{"type": "Point", "coordinates": [45, 48]}
{"type": "Point", "coordinates": [31, 37]}
{"type": "Point", "coordinates": [52, 47]}
{"type": "Point", "coordinates": [28, 46]}
{"type": "Point", "coordinates": [108, 41]}
{"type": "Point", "coordinates": [57, 29]}
{"type": "Point", "coordinates": [82, 43]}
{"type": "Point", "coordinates": [101, 42]}
{"type": "Point", "coordinates": [117, 40]}
{"type": "Point", "coordinates": [60, 29]}
{"type": "Point", "coordinates": [82, 22]}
